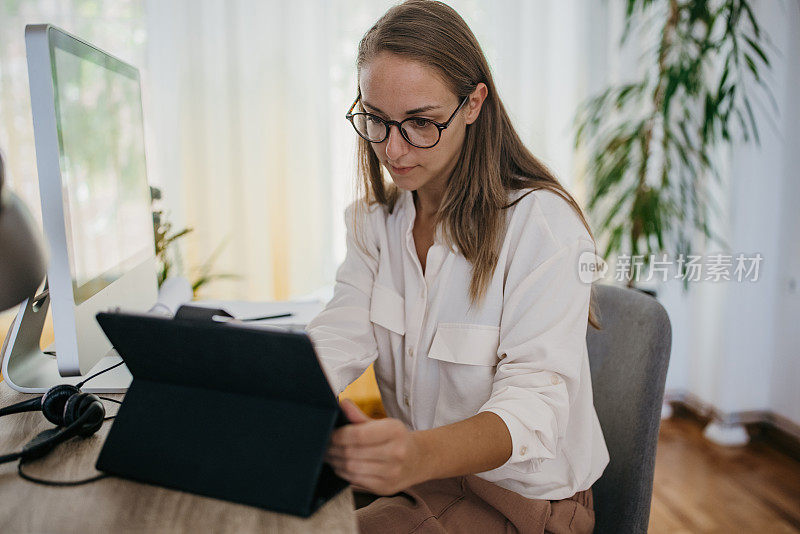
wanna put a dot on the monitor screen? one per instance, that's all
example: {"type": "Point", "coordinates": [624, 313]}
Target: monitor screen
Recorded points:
{"type": "Point", "coordinates": [102, 159]}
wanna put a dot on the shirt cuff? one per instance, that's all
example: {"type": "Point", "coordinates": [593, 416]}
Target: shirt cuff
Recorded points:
{"type": "Point", "coordinates": [522, 443]}
{"type": "Point", "coordinates": [334, 377]}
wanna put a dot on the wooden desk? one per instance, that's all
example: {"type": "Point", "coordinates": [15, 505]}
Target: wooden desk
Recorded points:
{"type": "Point", "coordinates": [117, 505]}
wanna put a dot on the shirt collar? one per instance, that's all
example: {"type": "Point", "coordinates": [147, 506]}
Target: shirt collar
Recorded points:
{"type": "Point", "coordinates": [409, 211]}
{"type": "Point", "coordinates": [408, 202]}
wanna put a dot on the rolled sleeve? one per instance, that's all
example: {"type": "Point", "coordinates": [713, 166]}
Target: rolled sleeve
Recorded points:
{"type": "Point", "coordinates": [342, 333]}
{"type": "Point", "coordinates": [542, 348]}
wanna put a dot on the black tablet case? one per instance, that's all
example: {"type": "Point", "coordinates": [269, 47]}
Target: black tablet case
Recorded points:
{"type": "Point", "coordinates": [229, 411]}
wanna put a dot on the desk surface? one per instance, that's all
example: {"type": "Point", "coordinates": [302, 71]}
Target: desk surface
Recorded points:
{"type": "Point", "coordinates": [117, 505]}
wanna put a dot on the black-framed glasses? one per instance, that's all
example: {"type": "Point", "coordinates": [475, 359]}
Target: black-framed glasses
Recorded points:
{"type": "Point", "coordinates": [419, 132]}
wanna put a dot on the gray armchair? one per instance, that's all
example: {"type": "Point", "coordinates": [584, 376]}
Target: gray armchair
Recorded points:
{"type": "Point", "coordinates": [628, 358]}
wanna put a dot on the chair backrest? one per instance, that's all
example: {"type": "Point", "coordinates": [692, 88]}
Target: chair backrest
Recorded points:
{"type": "Point", "coordinates": [628, 357]}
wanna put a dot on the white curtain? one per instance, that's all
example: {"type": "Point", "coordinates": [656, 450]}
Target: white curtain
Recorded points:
{"type": "Point", "coordinates": [246, 102]}
{"type": "Point", "coordinates": [244, 112]}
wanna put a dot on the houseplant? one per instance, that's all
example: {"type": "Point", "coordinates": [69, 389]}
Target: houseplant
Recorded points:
{"type": "Point", "coordinates": [168, 254]}
{"type": "Point", "coordinates": [652, 144]}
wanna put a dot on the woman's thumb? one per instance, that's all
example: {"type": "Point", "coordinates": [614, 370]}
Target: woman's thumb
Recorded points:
{"type": "Point", "coordinates": [353, 412]}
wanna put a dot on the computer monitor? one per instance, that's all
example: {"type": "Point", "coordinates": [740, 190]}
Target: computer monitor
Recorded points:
{"type": "Point", "coordinates": [89, 136]}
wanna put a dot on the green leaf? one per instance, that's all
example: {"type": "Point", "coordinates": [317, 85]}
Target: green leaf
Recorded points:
{"type": "Point", "coordinates": [614, 241]}
{"type": "Point", "coordinates": [752, 120]}
{"type": "Point", "coordinates": [723, 79]}
{"type": "Point", "coordinates": [751, 65]}
{"type": "Point", "coordinates": [176, 236]}
{"type": "Point", "coordinates": [612, 212]}
{"type": "Point", "coordinates": [752, 18]}
{"type": "Point", "coordinates": [758, 50]}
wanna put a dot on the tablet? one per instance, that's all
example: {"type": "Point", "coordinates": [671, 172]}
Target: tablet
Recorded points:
{"type": "Point", "coordinates": [225, 410]}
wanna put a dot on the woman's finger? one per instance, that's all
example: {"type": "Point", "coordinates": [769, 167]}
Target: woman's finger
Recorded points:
{"type": "Point", "coordinates": [355, 467]}
{"type": "Point", "coordinates": [387, 452]}
{"type": "Point", "coordinates": [369, 433]}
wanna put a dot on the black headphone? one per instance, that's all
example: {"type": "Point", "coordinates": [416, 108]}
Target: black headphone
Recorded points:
{"type": "Point", "coordinates": [75, 413]}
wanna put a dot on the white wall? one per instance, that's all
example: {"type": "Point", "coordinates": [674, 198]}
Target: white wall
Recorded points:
{"type": "Point", "coordinates": [784, 395]}
{"type": "Point", "coordinates": [736, 345]}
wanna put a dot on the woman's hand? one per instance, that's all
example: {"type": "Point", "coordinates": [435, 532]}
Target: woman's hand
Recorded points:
{"type": "Point", "coordinates": [379, 455]}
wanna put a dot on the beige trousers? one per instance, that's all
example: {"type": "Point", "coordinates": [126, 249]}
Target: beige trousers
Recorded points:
{"type": "Point", "coordinates": [468, 504]}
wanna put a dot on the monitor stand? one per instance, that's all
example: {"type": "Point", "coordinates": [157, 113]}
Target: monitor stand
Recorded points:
{"type": "Point", "coordinates": [28, 369]}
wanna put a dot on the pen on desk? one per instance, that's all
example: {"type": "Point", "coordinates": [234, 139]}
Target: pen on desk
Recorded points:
{"type": "Point", "coordinates": [277, 316]}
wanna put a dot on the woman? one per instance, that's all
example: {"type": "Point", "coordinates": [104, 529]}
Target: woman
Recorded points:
{"type": "Point", "coordinates": [461, 284]}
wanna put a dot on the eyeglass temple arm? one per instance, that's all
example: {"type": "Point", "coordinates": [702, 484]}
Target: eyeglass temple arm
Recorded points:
{"type": "Point", "coordinates": [350, 111]}
{"type": "Point", "coordinates": [453, 116]}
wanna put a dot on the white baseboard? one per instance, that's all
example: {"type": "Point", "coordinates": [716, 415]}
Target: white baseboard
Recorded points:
{"type": "Point", "coordinates": [731, 419]}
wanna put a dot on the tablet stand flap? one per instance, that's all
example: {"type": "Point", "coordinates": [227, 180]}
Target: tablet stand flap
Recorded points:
{"type": "Point", "coordinates": [199, 313]}
{"type": "Point", "coordinates": [253, 450]}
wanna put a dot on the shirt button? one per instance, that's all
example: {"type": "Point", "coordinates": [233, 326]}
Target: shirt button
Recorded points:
{"type": "Point", "coordinates": [523, 450]}
{"type": "Point", "coordinates": [554, 380]}
{"type": "Point", "coordinates": [410, 353]}
{"type": "Point", "coordinates": [405, 400]}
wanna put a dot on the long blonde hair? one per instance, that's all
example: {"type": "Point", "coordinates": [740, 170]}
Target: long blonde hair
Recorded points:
{"type": "Point", "coordinates": [493, 160]}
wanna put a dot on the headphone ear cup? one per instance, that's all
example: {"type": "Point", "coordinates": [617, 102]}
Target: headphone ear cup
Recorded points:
{"type": "Point", "coordinates": [79, 404]}
{"type": "Point", "coordinates": [54, 401]}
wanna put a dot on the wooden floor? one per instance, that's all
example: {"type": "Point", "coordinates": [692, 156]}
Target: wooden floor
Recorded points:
{"type": "Point", "coordinates": [703, 487]}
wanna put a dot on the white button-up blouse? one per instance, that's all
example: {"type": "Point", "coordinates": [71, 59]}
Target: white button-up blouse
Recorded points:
{"type": "Point", "coordinates": [520, 354]}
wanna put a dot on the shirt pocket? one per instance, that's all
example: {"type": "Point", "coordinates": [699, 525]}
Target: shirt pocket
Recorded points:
{"type": "Point", "coordinates": [467, 344]}
{"type": "Point", "coordinates": [466, 355]}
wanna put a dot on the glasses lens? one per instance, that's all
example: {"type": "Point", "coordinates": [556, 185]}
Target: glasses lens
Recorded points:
{"type": "Point", "coordinates": [421, 132]}
{"type": "Point", "coordinates": [369, 126]}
